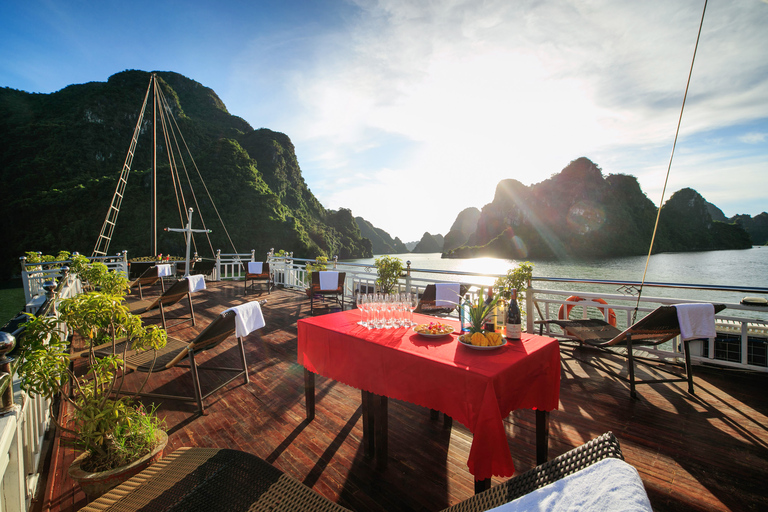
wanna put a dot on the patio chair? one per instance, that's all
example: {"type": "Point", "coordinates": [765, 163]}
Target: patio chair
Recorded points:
{"type": "Point", "coordinates": [450, 297]}
{"type": "Point", "coordinates": [258, 272]}
{"type": "Point", "coordinates": [137, 268]}
{"type": "Point", "coordinates": [204, 268]}
{"type": "Point", "coordinates": [231, 321]}
{"type": "Point", "coordinates": [658, 326]}
{"type": "Point", "coordinates": [176, 292]}
{"type": "Point", "coordinates": [148, 277]}
{"type": "Point", "coordinates": [326, 283]}
{"type": "Point", "coordinates": [207, 479]}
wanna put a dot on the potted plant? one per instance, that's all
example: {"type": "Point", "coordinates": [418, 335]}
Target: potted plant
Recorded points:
{"type": "Point", "coordinates": [516, 278]}
{"type": "Point", "coordinates": [388, 269]}
{"type": "Point", "coordinates": [110, 430]}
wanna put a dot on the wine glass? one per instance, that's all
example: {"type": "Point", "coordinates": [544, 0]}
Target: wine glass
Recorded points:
{"type": "Point", "coordinates": [413, 302]}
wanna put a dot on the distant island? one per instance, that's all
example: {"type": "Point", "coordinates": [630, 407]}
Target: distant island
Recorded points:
{"type": "Point", "coordinates": [62, 154]}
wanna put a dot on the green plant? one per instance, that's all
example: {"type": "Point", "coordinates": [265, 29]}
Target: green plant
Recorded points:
{"type": "Point", "coordinates": [388, 269]}
{"type": "Point", "coordinates": [320, 264]}
{"type": "Point", "coordinates": [478, 310]}
{"type": "Point", "coordinates": [517, 278]}
{"type": "Point", "coordinates": [111, 429]}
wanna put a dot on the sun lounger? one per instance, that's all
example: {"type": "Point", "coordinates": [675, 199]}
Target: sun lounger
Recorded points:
{"type": "Point", "coordinates": [175, 293]}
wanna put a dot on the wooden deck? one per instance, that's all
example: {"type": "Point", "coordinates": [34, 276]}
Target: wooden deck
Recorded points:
{"type": "Point", "coordinates": [702, 452]}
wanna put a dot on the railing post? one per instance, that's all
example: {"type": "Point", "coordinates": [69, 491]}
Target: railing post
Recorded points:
{"type": "Point", "coordinates": [218, 265]}
{"type": "Point", "coordinates": [125, 262]}
{"type": "Point", "coordinates": [335, 261]}
{"type": "Point", "coordinates": [25, 280]}
{"type": "Point", "coordinates": [529, 316]}
{"type": "Point", "coordinates": [408, 281]}
{"type": "Point", "coordinates": [253, 254]}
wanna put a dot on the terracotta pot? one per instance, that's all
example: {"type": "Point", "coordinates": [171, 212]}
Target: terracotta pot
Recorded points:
{"type": "Point", "coordinates": [96, 484]}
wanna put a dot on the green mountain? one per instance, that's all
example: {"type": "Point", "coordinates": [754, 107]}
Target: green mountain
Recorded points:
{"type": "Point", "coordinates": [579, 213]}
{"type": "Point", "coordinates": [430, 243]}
{"type": "Point", "coordinates": [756, 226]}
{"type": "Point", "coordinates": [381, 241]}
{"type": "Point", "coordinates": [462, 228]}
{"type": "Point", "coordinates": [62, 153]}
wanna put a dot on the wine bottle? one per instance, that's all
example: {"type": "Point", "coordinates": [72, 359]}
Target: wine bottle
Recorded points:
{"type": "Point", "coordinates": [464, 314]}
{"type": "Point", "coordinates": [489, 324]}
{"type": "Point", "coordinates": [514, 322]}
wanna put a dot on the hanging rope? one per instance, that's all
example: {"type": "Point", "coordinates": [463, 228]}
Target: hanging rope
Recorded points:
{"type": "Point", "coordinates": [669, 166]}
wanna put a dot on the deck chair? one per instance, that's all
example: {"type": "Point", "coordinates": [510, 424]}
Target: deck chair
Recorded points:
{"type": "Point", "coordinates": [175, 351]}
{"type": "Point", "coordinates": [430, 304]}
{"type": "Point", "coordinates": [258, 272]}
{"type": "Point", "coordinates": [136, 268]}
{"type": "Point", "coordinates": [323, 285]}
{"type": "Point", "coordinates": [176, 292]}
{"type": "Point", "coordinates": [204, 268]}
{"type": "Point", "coordinates": [656, 327]}
{"type": "Point", "coordinates": [149, 277]}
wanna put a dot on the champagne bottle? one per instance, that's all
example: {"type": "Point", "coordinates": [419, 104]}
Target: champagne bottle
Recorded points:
{"type": "Point", "coordinates": [464, 314]}
{"type": "Point", "coordinates": [514, 322]}
{"type": "Point", "coordinates": [489, 324]}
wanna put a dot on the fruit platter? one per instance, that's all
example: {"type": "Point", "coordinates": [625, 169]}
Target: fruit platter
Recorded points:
{"type": "Point", "coordinates": [483, 340]}
{"type": "Point", "coordinates": [434, 329]}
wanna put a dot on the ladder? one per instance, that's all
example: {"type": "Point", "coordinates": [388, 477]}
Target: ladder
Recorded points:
{"type": "Point", "coordinates": [105, 237]}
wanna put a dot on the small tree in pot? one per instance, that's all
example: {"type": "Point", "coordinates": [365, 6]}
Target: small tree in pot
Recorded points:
{"type": "Point", "coordinates": [388, 269]}
{"type": "Point", "coordinates": [111, 430]}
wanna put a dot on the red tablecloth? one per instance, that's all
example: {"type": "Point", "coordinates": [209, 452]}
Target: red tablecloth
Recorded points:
{"type": "Point", "coordinates": [477, 388]}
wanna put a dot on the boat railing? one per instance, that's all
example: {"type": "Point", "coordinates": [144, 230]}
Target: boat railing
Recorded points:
{"type": "Point", "coordinates": [25, 418]}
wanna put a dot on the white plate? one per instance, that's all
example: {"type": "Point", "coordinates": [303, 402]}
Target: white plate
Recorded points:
{"type": "Point", "coordinates": [429, 335]}
{"type": "Point", "coordinates": [475, 347]}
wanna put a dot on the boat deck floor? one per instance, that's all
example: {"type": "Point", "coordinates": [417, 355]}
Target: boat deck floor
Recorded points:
{"type": "Point", "coordinates": [707, 451]}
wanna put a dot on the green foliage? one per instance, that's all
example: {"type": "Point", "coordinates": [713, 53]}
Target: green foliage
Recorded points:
{"type": "Point", "coordinates": [320, 264]}
{"type": "Point", "coordinates": [517, 278]}
{"type": "Point", "coordinates": [478, 311]}
{"type": "Point", "coordinates": [113, 430]}
{"type": "Point", "coordinates": [388, 269]}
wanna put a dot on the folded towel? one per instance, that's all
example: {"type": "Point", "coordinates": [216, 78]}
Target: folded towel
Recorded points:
{"type": "Point", "coordinates": [254, 267]}
{"type": "Point", "coordinates": [196, 283]}
{"type": "Point", "coordinates": [610, 484]}
{"type": "Point", "coordinates": [329, 280]}
{"type": "Point", "coordinates": [163, 270]}
{"type": "Point", "coordinates": [696, 320]}
{"type": "Point", "coordinates": [248, 318]}
{"type": "Point", "coordinates": [447, 294]}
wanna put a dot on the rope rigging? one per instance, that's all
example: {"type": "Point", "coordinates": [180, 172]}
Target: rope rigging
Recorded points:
{"type": "Point", "coordinates": [669, 166]}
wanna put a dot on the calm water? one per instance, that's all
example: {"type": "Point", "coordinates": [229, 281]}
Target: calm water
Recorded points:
{"type": "Point", "coordinates": [747, 267]}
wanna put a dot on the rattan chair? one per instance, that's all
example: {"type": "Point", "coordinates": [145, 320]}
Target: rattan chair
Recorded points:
{"type": "Point", "coordinates": [314, 291]}
{"type": "Point", "coordinates": [176, 351]}
{"type": "Point", "coordinates": [207, 479]}
{"type": "Point", "coordinates": [176, 292]}
{"type": "Point", "coordinates": [265, 276]}
{"type": "Point", "coordinates": [428, 301]}
{"type": "Point", "coordinates": [658, 326]}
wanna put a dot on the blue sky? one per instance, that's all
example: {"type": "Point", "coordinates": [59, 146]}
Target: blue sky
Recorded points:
{"type": "Point", "coordinates": [401, 107]}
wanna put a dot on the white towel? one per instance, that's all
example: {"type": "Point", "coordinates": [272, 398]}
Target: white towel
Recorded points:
{"type": "Point", "coordinates": [447, 294]}
{"type": "Point", "coordinates": [329, 280]}
{"type": "Point", "coordinates": [196, 283]}
{"type": "Point", "coordinates": [607, 485]}
{"type": "Point", "coordinates": [164, 270]}
{"type": "Point", "coordinates": [696, 320]}
{"type": "Point", "coordinates": [254, 267]}
{"type": "Point", "coordinates": [248, 318]}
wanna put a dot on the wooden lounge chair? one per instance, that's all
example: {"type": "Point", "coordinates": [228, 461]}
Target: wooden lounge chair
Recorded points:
{"type": "Point", "coordinates": [265, 276]}
{"type": "Point", "coordinates": [176, 292]}
{"type": "Point", "coordinates": [137, 268]}
{"type": "Point", "coordinates": [147, 278]}
{"type": "Point", "coordinates": [658, 326]}
{"type": "Point", "coordinates": [428, 302]}
{"type": "Point", "coordinates": [315, 290]}
{"type": "Point", "coordinates": [176, 351]}
{"type": "Point", "coordinates": [204, 479]}
{"type": "Point", "coordinates": [205, 268]}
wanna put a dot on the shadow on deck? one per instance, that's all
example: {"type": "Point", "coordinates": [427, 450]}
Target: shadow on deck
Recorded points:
{"type": "Point", "coordinates": [707, 451]}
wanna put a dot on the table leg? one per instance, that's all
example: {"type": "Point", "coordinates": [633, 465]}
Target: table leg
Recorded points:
{"type": "Point", "coordinates": [309, 393]}
{"type": "Point", "coordinates": [542, 436]}
{"type": "Point", "coordinates": [381, 429]}
{"type": "Point", "coordinates": [482, 485]}
{"type": "Point", "coordinates": [369, 437]}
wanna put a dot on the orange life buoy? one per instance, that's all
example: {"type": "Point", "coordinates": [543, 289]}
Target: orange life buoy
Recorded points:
{"type": "Point", "coordinates": [565, 309]}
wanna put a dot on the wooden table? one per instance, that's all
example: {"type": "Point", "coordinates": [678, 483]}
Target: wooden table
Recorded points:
{"type": "Point", "coordinates": [478, 388]}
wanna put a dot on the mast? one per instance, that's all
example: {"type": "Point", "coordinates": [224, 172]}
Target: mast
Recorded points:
{"type": "Point", "coordinates": [154, 168]}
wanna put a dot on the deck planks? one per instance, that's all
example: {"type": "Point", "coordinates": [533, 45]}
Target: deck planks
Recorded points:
{"type": "Point", "coordinates": [703, 452]}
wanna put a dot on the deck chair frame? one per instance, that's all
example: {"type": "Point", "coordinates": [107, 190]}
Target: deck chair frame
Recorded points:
{"type": "Point", "coordinates": [175, 293]}
{"type": "Point", "coordinates": [658, 326]}
{"type": "Point", "coordinates": [314, 291]}
{"type": "Point", "coordinates": [147, 278]}
{"type": "Point", "coordinates": [174, 353]}
{"type": "Point", "coordinates": [264, 277]}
